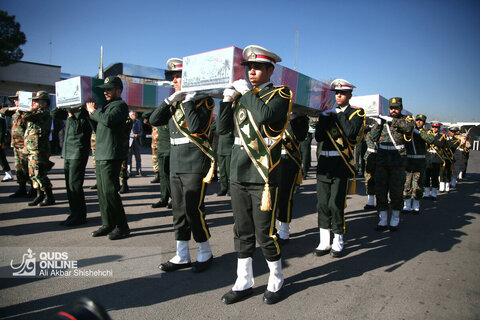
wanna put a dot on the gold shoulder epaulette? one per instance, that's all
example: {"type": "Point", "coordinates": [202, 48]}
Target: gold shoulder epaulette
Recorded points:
{"type": "Point", "coordinates": [359, 112]}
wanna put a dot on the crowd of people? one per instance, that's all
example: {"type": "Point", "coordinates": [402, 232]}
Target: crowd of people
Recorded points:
{"type": "Point", "coordinates": [262, 153]}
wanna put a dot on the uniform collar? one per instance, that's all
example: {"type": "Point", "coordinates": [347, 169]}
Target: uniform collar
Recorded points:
{"type": "Point", "coordinates": [262, 86]}
{"type": "Point", "coordinates": [338, 109]}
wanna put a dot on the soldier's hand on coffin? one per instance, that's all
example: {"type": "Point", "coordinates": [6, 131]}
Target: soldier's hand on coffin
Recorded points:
{"type": "Point", "coordinates": [190, 96]}
{"type": "Point", "coordinates": [90, 107]}
{"type": "Point", "coordinates": [416, 131]}
{"type": "Point", "coordinates": [386, 118]}
{"type": "Point", "coordinates": [176, 96]}
{"type": "Point", "coordinates": [241, 86]}
{"type": "Point", "coordinates": [377, 120]}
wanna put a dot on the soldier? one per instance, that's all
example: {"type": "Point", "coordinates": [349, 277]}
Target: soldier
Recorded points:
{"type": "Point", "coordinates": [75, 151]}
{"type": "Point", "coordinates": [370, 164]}
{"type": "Point", "coordinates": [290, 172]}
{"type": "Point", "coordinates": [124, 168]}
{"type": "Point", "coordinates": [306, 151]}
{"type": "Point", "coordinates": [458, 163]}
{"type": "Point", "coordinates": [37, 146]}
{"type": "Point", "coordinates": [258, 118]}
{"type": "Point", "coordinates": [446, 169]}
{"type": "Point", "coordinates": [434, 159]}
{"type": "Point", "coordinates": [389, 133]}
{"type": "Point", "coordinates": [3, 157]}
{"type": "Point", "coordinates": [163, 159]}
{"type": "Point", "coordinates": [111, 146]}
{"type": "Point", "coordinates": [416, 146]}
{"type": "Point", "coordinates": [17, 135]}
{"type": "Point", "coordinates": [336, 132]}
{"type": "Point", "coordinates": [224, 156]}
{"type": "Point", "coordinates": [188, 116]}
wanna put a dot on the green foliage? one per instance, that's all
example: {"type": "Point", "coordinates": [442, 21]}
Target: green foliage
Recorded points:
{"type": "Point", "coordinates": [11, 38]}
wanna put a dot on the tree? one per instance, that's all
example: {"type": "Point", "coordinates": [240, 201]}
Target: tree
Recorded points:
{"type": "Point", "coordinates": [11, 38]}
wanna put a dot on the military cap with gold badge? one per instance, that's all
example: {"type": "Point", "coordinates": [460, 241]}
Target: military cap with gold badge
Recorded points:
{"type": "Point", "coordinates": [173, 65]}
{"type": "Point", "coordinates": [421, 117]}
{"type": "Point", "coordinates": [395, 102]}
{"type": "Point", "coordinates": [254, 53]}
{"type": "Point", "coordinates": [341, 85]}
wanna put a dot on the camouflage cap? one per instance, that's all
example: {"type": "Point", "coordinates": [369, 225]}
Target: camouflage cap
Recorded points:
{"type": "Point", "coordinates": [421, 117]}
{"type": "Point", "coordinates": [111, 82]}
{"type": "Point", "coordinates": [42, 95]}
{"type": "Point", "coordinates": [395, 102]}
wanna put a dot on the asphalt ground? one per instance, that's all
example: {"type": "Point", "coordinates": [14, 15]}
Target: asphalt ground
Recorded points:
{"type": "Point", "coordinates": [428, 269]}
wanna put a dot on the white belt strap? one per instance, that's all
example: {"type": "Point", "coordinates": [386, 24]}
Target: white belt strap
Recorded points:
{"type": "Point", "coordinates": [385, 147]}
{"type": "Point", "coordinates": [371, 150]}
{"type": "Point", "coordinates": [178, 141]}
{"type": "Point", "coordinates": [330, 153]}
{"type": "Point", "coordinates": [268, 141]}
{"type": "Point", "coordinates": [416, 156]}
{"type": "Point", "coordinates": [432, 151]}
{"type": "Point", "coordinates": [284, 152]}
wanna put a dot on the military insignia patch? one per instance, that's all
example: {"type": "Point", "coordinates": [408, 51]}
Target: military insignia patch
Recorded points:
{"type": "Point", "coordinates": [394, 100]}
{"type": "Point", "coordinates": [253, 56]}
{"type": "Point", "coordinates": [178, 114]}
{"type": "Point", "coordinates": [107, 80]}
{"type": "Point", "coordinates": [242, 115]}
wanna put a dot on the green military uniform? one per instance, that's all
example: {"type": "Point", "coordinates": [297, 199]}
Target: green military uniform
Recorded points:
{"type": "Point", "coordinates": [446, 169]}
{"type": "Point", "coordinates": [20, 158]}
{"type": "Point", "coordinates": [416, 146]}
{"type": "Point", "coordinates": [163, 159]}
{"type": "Point", "coordinates": [306, 151]}
{"type": "Point", "coordinates": [224, 157]}
{"type": "Point", "coordinates": [290, 171]}
{"type": "Point", "coordinates": [37, 146]}
{"type": "Point", "coordinates": [391, 161]}
{"type": "Point", "coordinates": [188, 163]}
{"type": "Point", "coordinates": [266, 110]}
{"type": "Point", "coordinates": [434, 160]}
{"type": "Point", "coordinates": [110, 150]}
{"type": "Point", "coordinates": [333, 170]}
{"type": "Point", "coordinates": [370, 164]}
{"type": "Point", "coordinates": [75, 152]}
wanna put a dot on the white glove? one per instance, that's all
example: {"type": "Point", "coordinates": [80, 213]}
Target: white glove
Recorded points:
{"type": "Point", "coordinates": [386, 118]}
{"type": "Point", "coordinates": [190, 96]}
{"type": "Point", "coordinates": [176, 96]}
{"type": "Point", "coordinates": [241, 86]}
{"type": "Point", "coordinates": [228, 94]}
{"type": "Point", "coordinates": [416, 131]}
{"type": "Point", "coordinates": [377, 120]}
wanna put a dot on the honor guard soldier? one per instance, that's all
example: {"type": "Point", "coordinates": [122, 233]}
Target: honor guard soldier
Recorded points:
{"type": "Point", "coordinates": [110, 150]}
{"type": "Point", "coordinates": [17, 136]}
{"type": "Point", "coordinates": [434, 160]}
{"type": "Point", "coordinates": [188, 115]}
{"type": "Point", "coordinates": [458, 164]}
{"type": "Point", "coordinates": [446, 169]}
{"type": "Point", "coordinates": [416, 146]}
{"type": "Point", "coordinates": [337, 132]}
{"type": "Point", "coordinates": [306, 151]}
{"type": "Point", "coordinates": [290, 172]}
{"type": "Point", "coordinates": [370, 164]}
{"type": "Point", "coordinates": [37, 146]}
{"type": "Point", "coordinates": [391, 160]}
{"type": "Point", "coordinates": [257, 113]}
{"type": "Point", "coordinates": [75, 151]}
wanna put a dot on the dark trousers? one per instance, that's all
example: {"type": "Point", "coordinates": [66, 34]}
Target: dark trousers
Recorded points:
{"type": "Point", "coordinates": [289, 174]}
{"type": "Point", "coordinates": [164, 175]}
{"type": "Point", "coordinates": [74, 176]}
{"type": "Point", "coordinates": [224, 168]}
{"type": "Point", "coordinates": [446, 172]}
{"type": "Point", "coordinates": [389, 179]}
{"type": "Point", "coordinates": [111, 207]}
{"type": "Point", "coordinates": [331, 203]}
{"type": "Point", "coordinates": [431, 175]}
{"type": "Point", "coordinates": [3, 160]}
{"type": "Point", "coordinates": [188, 206]}
{"type": "Point", "coordinates": [252, 224]}
{"type": "Point", "coordinates": [135, 150]}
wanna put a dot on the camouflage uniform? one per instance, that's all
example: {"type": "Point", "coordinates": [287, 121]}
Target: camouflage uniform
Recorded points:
{"type": "Point", "coordinates": [391, 161]}
{"type": "Point", "coordinates": [415, 169]}
{"type": "Point", "coordinates": [92, 146]}
{"type": "Point", "coordinates": [37, 146]}
{"type": "Point", "coordinates": [155, 148]}
{"type": "Point", "coordinates": [370, 163]}
{"type": "Point", "coordinates": [18, 131]}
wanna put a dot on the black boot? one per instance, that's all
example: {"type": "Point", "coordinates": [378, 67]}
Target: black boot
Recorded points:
{"type": "Point", "coordinates": [21, 192]}
{"type": "Point", "coordinates": [31, 193]}
{"type": "Point", "coordinates": [49, 200]}
{"type": "Point", "coordinates": [38, 199]}
{"type": "Point", "coordinates": [156, 179]}
{"type": "Point", "coordinates": [94, 187]}
{"type": "Point", "coordinates": [124, 188]}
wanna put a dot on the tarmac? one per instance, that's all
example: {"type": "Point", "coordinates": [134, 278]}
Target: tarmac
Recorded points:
{"type": "Point", "coordinates": [428, 269]}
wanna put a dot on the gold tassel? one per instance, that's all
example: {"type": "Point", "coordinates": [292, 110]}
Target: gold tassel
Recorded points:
{"type": "Point", "coordinates": [353, 187]}
{"type": "Point", "coordinates": [209, 176]}
{"type": "Point", "coordinates": [299, 177]}
{"type": "Point", "coordinates": [266, 199]}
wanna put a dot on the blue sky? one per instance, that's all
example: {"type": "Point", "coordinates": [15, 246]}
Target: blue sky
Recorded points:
{"type": "Point", "coordinates": [424, 51]}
